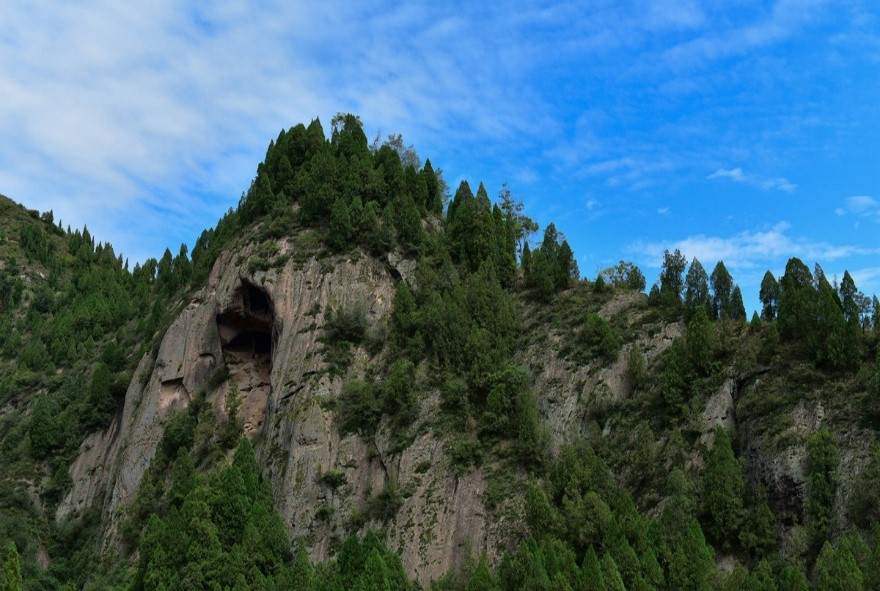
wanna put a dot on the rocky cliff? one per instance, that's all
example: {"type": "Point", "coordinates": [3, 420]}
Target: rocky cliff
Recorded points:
{"type": "Point", "coordinates": [265, 327]}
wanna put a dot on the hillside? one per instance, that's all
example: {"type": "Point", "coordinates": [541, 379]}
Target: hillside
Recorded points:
{"type": "Point", "coordinates": [356, 381]}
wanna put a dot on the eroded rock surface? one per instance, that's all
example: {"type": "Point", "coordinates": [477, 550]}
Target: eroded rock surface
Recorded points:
{"type": "Point", "coordinates": [265, 328]}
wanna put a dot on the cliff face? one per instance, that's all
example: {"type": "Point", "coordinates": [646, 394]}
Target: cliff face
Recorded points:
{"type": "Point", "coordinates": [265, 327]}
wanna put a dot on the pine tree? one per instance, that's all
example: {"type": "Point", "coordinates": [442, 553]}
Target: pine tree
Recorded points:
{"type": "Point", "coordinates": [836, 570]}
{"type": "Point", "coordinates": [671, 284]}
{"type": "Point", "coordinates": [829, 340]}
{"type": "Point", "coordinates": [10, 575]}
{"type": "Point", "coordinates": [341, 228]}
{"type": "Point", "coordinates": [434, 201]}
{"type": "Point", "coordinates": [723, 489]}
{"type": "Point", "coordinates": [821, 484]}
{"type": "Point", "coordinates": [590, 577]}
{"type": "Point", "coordinates": [696, 288]}
{"type": "Point", "coordinates": [692, 562]}
{"type": "Point", "coordinates": [700, 341]}
{"type": "Point", "coordinates": [737, 308]}
{"type": "Point", "coordinates": [566, 267]}
{"type": "Point", "coordinates": [613, 580]}
{"type": "Point", "coordinates": [722, 286]}
{"type": "Point", "coordinates": [795, 314]}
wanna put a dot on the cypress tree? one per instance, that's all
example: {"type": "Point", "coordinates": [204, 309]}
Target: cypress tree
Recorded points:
{"type": "Point", "coordinates": [722, 286]}
{"type": "Point", "coordinates": [796, 301]}
{"type": "Point", "coordinates": [341, 228]}
{"type": "Point", "coordinates": [821, 484]}
{"type": "Point", "coordinates": [10, 576]}
{"type": "Point", "coordinates": [671, 283]}
{"type": "Point", "coordinates": [737, 308]}
{"type": "Point", "coordinates": [723, 488]}
{"type": "Point", "coordinates": [696, 288]}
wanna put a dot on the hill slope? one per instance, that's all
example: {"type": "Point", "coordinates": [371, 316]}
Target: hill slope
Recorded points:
{"type": "Point", "coordinates": [397, 368]}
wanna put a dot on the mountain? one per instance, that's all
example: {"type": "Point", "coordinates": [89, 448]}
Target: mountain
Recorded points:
{"type": "Point", "coordinates": [357, 380]}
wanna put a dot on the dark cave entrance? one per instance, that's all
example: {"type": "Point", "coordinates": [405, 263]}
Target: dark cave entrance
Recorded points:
{"type": "Point", "coordinates": [247, 340]}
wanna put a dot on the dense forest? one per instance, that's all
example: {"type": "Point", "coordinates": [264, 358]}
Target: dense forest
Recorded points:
{"type": "Point", "coordinates": [651, 504]}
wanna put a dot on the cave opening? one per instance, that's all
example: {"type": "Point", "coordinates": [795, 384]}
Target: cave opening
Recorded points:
{"type": "Point", "coordinates": [247, 342]}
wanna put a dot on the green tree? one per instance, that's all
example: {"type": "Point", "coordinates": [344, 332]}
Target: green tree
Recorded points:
{"type": "Point", "coordinates": [722, 287]}
{"type": "Point", "coordinates": [624, 275]}
{"type": "Point", "coordinates": [769, 296]}
{"type": "Point", "coordinates": [696, 288]}
{"type": "Point", "coordinates": [671, 283]}
{"type": "Point", "coordinates": [10, 576]}
{"type": "Point", "coordinates": [795, 314]}
{"type": "Point", "coordinates": [692, 563]}
{"type": "Point", "coordinates": [43, 427]}
{"type": "Point", "coordinates": [737, 308]}
{"type": "Point", "coordinates": [408, 224]}
{"type": "Point", "coordinates": [675, 378]}
{"type": "Point", "coordinates": [700, 341]}
{"type": "Point", "coordinates": [836, 570]}
{"type": "Point", "coordinates": [522, 225]}
{"type": "Point", "coordinates": [821, 484]}
{"type": "Point", "coordinates": [434, 203]}
{"type": "Point", "coordinates": [590, 576]}
{"type": "Point", "coordinates": [341, 228]}
{"type": "Point", "coordinates": [831, 344]}
{"type": "Point", "coordinates": [723, 489]}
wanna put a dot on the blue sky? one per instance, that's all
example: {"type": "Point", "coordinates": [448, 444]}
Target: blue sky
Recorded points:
{"type": "Point", "coordinates": [733, 129]}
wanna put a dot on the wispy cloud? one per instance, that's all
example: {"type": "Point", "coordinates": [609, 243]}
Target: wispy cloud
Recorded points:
{"type": "Point", "coordinates": [862, 206]}
{"type": "Point", "coordinates": [767, 184]}
{"type": "Point", "coordinates": [749, 249]}
{"type": "Point", "coordinates": [159, 113]}
{"type": "Point", "coordinates": [783, 21]}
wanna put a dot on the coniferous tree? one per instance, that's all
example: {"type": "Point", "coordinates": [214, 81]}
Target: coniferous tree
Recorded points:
{"type": "Point", "coordinates": [737, 308]}
{"type": "Point", "coordinates": [434, 202]}
{"type": "Point", "coordinates": [10, 574]}
{"type": "Point", "coordinates": [769, 296]}
{"type": "Point", "coordinates": [821, 484]}
{"type": "Point", "coordinates": [341, 228]}
{"type": "Point", "coordinates": [722, 287]}
{"type": "Point", "coordinates": [590, 577]}
{"type": "Point", "coordinates": [566, 267]}
{"type": "Point", "coordinates": [696, 288]}
{"type": "Point", "coordinates": [408, 224]}
{"type": "Point", "coordinates": [796, 301]}
{"type": "Point", "coordinates": [692, 563]}
{"type": "Point", "coordinates": [723, 489]}
{"type": "Point", "coordinates": [671, 283]}
{"type": "Point", "coordinates": [829, 341]}
{"type": "Point", "coordinates": [836, 570]}
{"type": "Point", "coordinates": [700, 341]}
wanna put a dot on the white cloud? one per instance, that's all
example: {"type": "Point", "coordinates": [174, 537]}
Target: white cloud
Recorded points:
{"type": "Point", "coordinates": [862, 206]}
{"type": "Point", "coordinates": [767, 184]}
{"type": "Point", "coordinates": [145, 120]}
{"type": "Point", "coordinates": [784, 20]}
{"type": "Point", "coordinates": [749, 249]}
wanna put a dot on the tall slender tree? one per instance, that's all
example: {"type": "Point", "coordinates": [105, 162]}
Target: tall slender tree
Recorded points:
{"type": "Point", "coordinates": [722, 286]}
{"type": "Point", "coordinates": [696, 288]}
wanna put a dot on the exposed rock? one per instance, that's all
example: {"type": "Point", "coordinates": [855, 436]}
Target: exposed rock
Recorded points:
{"type": "Point", "coordinates": [266, 328]}
{"type": "Point", "coordinates": [719, 412]}
{"type": "Point", "coordinates": [404, 267]}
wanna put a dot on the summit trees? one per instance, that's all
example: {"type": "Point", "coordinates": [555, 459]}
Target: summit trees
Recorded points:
{"type": "Point", "coordinates": [551, 267]}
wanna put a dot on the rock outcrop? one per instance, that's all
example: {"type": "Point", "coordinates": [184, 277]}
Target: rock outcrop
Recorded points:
{"type": "Point", "coordinates": [265, 327]}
